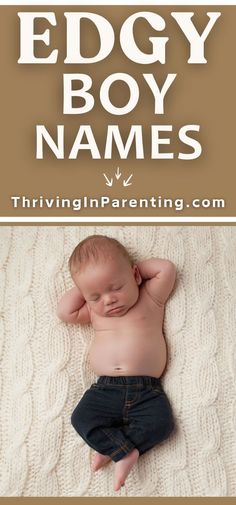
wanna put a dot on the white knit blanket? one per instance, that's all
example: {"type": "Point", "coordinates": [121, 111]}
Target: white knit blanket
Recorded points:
{"type": "Point", "coordinates": [45, 366]}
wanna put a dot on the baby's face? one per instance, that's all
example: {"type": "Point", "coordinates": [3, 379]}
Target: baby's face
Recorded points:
{"type": "Point", "coordinates": [110, 287]}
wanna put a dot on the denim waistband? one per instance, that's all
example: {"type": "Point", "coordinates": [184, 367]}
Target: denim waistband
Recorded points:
{"type": "Point", "coordinates": [129, 380]}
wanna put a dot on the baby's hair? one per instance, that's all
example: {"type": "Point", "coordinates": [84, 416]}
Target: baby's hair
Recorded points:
{"type": "Point", "coordinates": [95, 248]}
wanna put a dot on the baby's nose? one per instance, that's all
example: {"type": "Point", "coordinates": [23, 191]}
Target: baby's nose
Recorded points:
{"type": "Point", "coordinates": [109, 298]}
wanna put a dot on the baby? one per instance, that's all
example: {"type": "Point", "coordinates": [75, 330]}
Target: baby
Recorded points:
{"type": "Point", "coordinates": [126, 412]}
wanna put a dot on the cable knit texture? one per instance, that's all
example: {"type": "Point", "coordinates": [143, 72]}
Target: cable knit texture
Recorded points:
{"type": "Point", "coordinates": [45, 365]}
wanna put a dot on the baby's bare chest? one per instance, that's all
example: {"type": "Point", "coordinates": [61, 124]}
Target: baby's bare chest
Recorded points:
{"type": "Point", "coordinates": [131, 345]}
{"type": "Point", "coordinates": [144, 316]}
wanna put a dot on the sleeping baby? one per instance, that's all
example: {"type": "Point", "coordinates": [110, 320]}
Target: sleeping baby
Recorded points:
{"type": "Point", "coordinates": [126, 412]}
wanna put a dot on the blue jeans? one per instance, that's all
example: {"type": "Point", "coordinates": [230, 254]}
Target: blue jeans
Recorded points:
{"type": "Point", "coordinates": [118, 414]}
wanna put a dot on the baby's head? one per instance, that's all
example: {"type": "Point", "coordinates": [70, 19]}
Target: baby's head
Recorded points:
{"type": "Point", "coordinates": [103, 271]}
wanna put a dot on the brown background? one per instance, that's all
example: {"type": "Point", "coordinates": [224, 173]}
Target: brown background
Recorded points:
{"type": "Point", "coordinates": [200, 94]}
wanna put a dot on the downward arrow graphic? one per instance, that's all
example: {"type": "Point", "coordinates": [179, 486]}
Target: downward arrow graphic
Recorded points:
{"type": "Point", "coordinates": [127, 183]}
{"type": "Point", "coordinates": [118, 173]}
{"type": "Point", "coordinates": [109, 182]}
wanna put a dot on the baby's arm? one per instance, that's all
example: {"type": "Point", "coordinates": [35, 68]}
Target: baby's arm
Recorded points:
{"type": "Point", "coordinates": [159, 276]}
{"type": "Point", "coordinates": [72, 308]}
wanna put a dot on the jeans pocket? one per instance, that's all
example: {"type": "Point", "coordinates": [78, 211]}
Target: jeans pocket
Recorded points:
{"type": "Point", "coordinates": [97, 386]}
{"type": "Point", "coordinates": [157, 390]}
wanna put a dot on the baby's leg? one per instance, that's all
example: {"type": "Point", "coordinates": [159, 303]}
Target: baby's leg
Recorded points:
{"type": "Point", "coordinates": [99, 460]}
{"type": "Point", "coordinates": [123, 468]}
{"type": "Point", "coordinates": [98, 420]}
{"type": "Point", "coordinates": [150, 418]}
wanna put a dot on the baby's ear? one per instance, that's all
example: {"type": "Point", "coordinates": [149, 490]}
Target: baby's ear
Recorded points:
{"type": "Point", "coordinates": [137, 274]}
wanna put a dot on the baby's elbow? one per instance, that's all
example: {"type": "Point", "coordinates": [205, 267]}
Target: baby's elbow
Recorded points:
{"type": "Point", "coordinates": [170, 272]}
{"type": "Point", "coordinates": [60, 313]}
{"type": "Point", "coordinates": [170, 268]}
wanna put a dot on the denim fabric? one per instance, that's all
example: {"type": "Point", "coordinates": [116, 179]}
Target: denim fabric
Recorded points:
{"type": "Point", "coordinates": [117, 414]}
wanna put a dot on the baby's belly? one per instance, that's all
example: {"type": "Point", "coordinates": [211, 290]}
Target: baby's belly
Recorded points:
{"type": "Point", "coordinates": [129, 355]}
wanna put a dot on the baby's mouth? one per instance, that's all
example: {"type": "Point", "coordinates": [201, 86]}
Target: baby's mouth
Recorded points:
{"type": "Point", "coordinates": [115, 310]}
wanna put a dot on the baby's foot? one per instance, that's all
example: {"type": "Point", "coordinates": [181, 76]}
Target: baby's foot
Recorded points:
{"type": "Point", "coordinates": [99, 460]}
{"type": "Point", "coordinates": [123, 467]}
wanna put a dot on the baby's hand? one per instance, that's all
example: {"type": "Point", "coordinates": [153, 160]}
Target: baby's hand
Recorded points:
{"type": "Point", "coordinates": [160, 276]}
{"type": "Point", "coordinates": [72, 307]}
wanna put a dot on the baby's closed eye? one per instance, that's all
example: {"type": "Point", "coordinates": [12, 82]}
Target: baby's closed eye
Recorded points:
{"type": "Point", "coordinates": [94, 298]}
